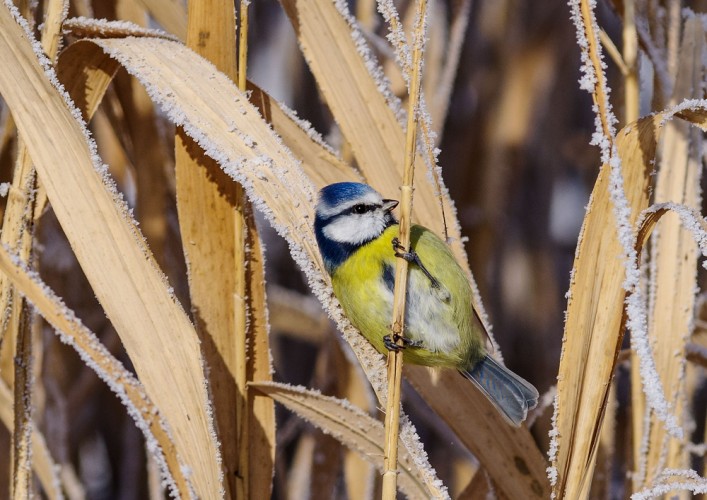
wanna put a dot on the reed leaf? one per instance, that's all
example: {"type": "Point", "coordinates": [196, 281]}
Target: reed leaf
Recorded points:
{"type": "Point", "coordinates": [353, 428]}
{"type": "Point", "coordinates": [133, 291]}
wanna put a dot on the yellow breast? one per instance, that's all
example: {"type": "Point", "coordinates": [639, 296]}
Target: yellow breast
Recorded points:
{"type": "Point", "coordinates": [442, 319]}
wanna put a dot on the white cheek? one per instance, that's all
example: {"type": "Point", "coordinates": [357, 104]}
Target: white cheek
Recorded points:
{"type": "Point", "coordinates": [354, 229]}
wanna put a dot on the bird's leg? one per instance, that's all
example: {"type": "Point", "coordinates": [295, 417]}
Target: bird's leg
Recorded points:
{"type": "Point", "coordinates": [412, 256]}
{"type": "Point", "coordinates": [390, 343]}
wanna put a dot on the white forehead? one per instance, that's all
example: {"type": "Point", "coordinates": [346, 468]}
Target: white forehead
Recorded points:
{"type": "Point", "coordinates": [370, 198]}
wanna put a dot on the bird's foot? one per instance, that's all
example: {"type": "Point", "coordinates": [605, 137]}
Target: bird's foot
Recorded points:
{"type": "Point", "coordinates": [411, 256]}
{"type": "Point", "coordinates": [390, 342]}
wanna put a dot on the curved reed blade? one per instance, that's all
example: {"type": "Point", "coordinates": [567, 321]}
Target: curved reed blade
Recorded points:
{"type": "Point", "coordinates": [352, 427]}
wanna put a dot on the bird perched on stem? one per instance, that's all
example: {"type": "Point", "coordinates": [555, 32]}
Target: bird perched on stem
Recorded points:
{"type": "Point", "coordinates": [358, 239]}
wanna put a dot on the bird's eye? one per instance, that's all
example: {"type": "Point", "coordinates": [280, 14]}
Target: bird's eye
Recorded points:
{"type": "Point", "coordinates": [360, 209]}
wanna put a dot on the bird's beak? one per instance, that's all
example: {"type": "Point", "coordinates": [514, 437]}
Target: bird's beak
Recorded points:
{"type": "Point", "coordinates": [389, 205]}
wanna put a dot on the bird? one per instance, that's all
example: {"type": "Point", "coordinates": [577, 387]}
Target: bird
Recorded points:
{"type": "Point", "coordinates": [358, 239]}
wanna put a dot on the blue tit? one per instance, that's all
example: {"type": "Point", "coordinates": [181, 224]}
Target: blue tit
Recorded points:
{"type": "Point", "coordinates": [357, 236]}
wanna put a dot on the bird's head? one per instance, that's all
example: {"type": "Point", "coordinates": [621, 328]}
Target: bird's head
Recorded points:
{"type": "Point", "coordinates": [348, 215]}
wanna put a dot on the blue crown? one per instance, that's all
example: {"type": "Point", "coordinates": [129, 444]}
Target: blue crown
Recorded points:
{"type": "Point", "coordinates": [333, 194]}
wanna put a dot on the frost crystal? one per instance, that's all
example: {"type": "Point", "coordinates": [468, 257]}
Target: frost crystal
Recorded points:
{"type": "Point", "coordinates": [554, 434]}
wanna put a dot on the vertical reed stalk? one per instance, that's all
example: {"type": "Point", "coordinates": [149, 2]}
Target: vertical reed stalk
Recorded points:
{"type": "Point", "coordinates": [241, 333]}
{"type": "Point", "coordinates": [395, 358]}
{"type": "Point", "coordinates": [243, 45]}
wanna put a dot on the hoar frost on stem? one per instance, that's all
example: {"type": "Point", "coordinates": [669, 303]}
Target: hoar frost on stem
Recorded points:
{"type": "Point", "coordinates": [554, 446]}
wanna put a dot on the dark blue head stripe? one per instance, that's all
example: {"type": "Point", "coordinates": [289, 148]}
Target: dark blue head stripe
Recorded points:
{"type": "Point", "coordinates": [333, 194]}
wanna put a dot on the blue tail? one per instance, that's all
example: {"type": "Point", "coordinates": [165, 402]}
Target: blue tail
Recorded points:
{"type": "Point", "coordinates": [510, 394]}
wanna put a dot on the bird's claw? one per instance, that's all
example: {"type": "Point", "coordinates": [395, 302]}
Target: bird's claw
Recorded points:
{"type": "Point", "coordinates": [390, 342]}
{"type": "Point", "coordinates": [401, 252]}
{"type": "Point", "coordinates": [412, 257]}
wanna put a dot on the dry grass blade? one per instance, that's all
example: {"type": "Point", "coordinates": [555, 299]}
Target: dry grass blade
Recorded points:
{"type": "Point", "coordinates": [100, 28]}
{"type": "Point", "coordinates": [594, 316]}
{"type": "Point", "coordinates": [56, 11]}
{"type": "Point", "coordinates": [85, 72]}
{"type": "Point", "coordinates": [22, 397]}
{"type": "Point", "coordinates": [131, 289]}
{"type": "Point", "coordinates": [595, 313]}
{"type": "Point", "coordinates": [319, 162]}
{"type": "Point", "coordinates": [99, 358]}
{"type": "Point", "coordinates": [675, 260]}
{"type": "Point", "coordinates": [353, 428]}
{"type": "Point", "coordinates": [257, 418]}
{"type": "Point", "coordinates": [261, 410]}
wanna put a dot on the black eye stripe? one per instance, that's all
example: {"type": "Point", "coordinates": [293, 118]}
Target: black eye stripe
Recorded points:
{"type": "Point", "coordinates": [361, 208]}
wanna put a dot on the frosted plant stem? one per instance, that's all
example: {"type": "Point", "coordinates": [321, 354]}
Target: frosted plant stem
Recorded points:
{"type": "Point", "coordinates": [242, 287]}
{"type": "Point", "coordinates": [395, 358]}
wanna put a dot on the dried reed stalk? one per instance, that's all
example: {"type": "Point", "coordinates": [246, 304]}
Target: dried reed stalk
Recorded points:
{"type": "Point", "coordinates": [16, 316]}
{"type": "Point", "coordinates": [395, 357]}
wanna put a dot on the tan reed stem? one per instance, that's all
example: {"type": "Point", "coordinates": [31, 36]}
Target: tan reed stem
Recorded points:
{"type": "Point", "coordinates": [395, 358]}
